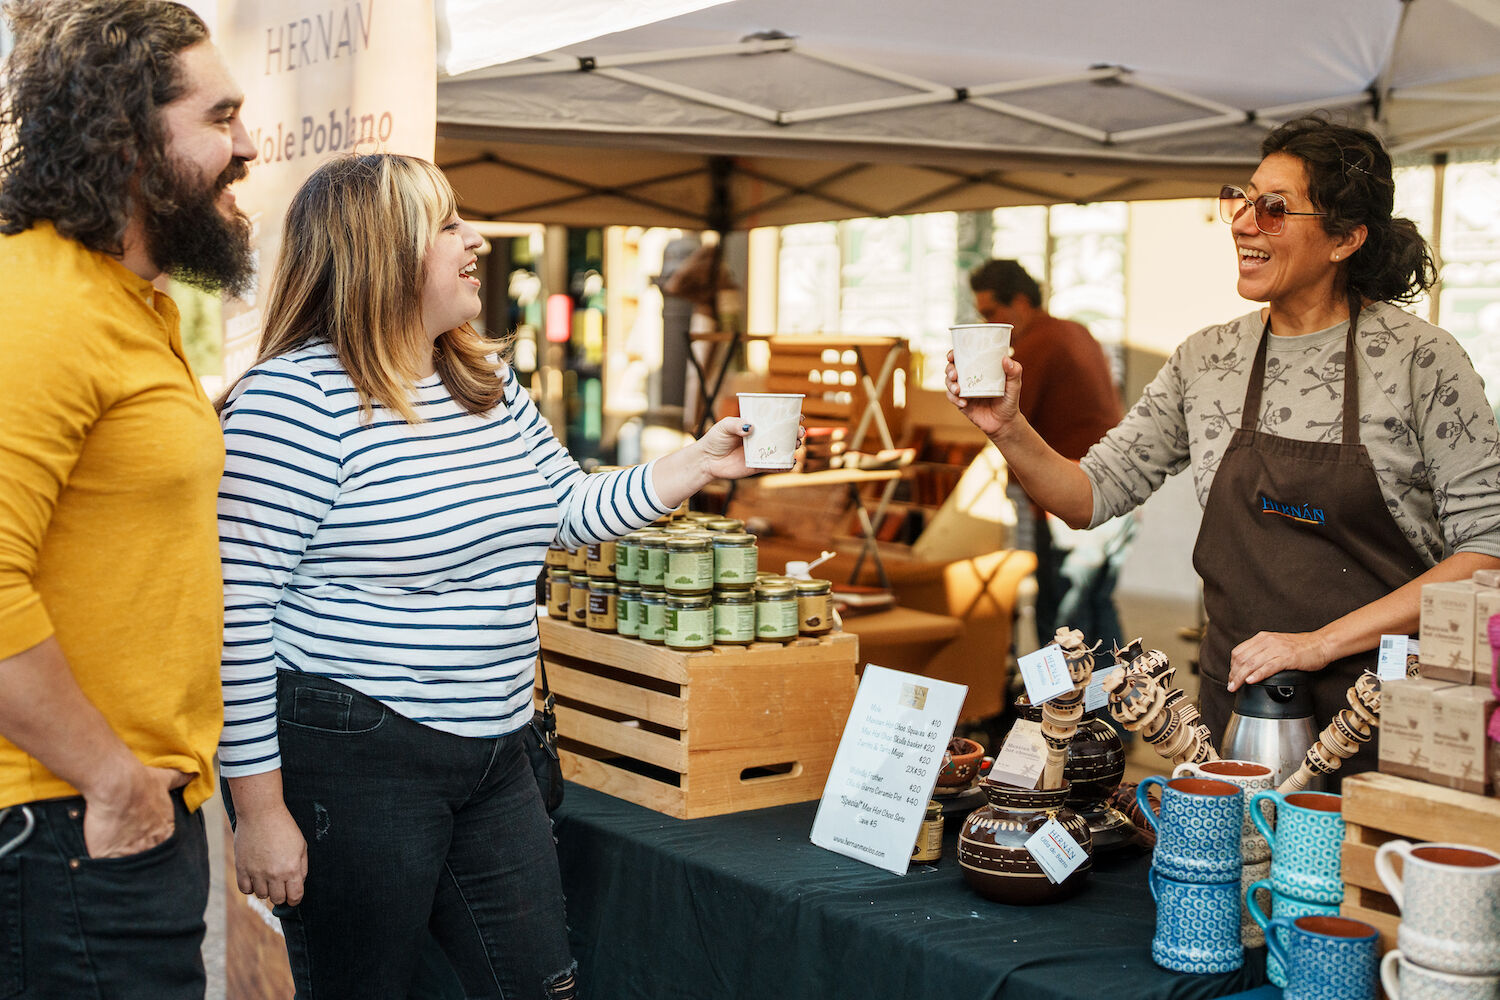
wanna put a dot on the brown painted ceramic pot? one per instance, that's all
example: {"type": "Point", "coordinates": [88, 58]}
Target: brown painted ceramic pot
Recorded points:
{"type": "Point", "coordinates": [992, 851]}
{"type": "Point", "coordinates": [1095, 765]}
{"type": "Point", "coordinates": [960, 763]}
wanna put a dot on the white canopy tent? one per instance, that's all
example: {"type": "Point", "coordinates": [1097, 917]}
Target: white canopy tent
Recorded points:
{"type": "Point", "coordinates": [770, 112]}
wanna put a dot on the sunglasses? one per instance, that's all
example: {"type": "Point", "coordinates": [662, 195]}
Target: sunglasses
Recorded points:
{"type": "Point", "coordinates": [1270, 209]}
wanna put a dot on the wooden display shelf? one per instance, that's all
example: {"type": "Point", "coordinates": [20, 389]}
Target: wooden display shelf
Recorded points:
{"type": "Point", "coordinates": [698, 734]}
{"type": "Point", "coordinates": [1382, 807]}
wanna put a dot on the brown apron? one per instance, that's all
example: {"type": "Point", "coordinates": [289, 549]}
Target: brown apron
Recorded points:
{"type": "Point", "coordinates": [1295, 535]}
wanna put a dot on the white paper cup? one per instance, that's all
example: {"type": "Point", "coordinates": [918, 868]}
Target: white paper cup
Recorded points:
{"type": "Point", "coordinates": [774, 419]}
{"type": "Point", "coordinates": [978, 352]}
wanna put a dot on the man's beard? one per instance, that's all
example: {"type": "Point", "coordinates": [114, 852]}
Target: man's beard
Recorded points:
{"type": "Point", "coordinates": [195, 242]}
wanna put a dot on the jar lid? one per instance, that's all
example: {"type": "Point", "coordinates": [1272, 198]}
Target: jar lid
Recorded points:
{"type": "Point", "coordinates": [689, 543]}
{"type": "Point", "coordinates": [814, 587]}
{"type": "Point", "coordinates": [775, 588]}
{"type": "Point", "coordinates": [691, 600]}
{"type": "Point", "coordinates": [725, 524]}
{"type": "Point", "coordinates": [728, 538]}
{"type": "Point", "coordinates": [600, 583]}
{"type": "Point", "coordinates": [652, 539]}
{"type": "Point", "coordinates": [653, 595]}
{"type": "Point", "coordinates": [579, 578]}
{"type": "Point", "coordinates": [746, 596]}
{"type": "Point", "coordinates": [934, 810]}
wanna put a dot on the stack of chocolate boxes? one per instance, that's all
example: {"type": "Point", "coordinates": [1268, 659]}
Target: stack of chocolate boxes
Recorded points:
{"type": "Point", "coordinates": [1437, 728]}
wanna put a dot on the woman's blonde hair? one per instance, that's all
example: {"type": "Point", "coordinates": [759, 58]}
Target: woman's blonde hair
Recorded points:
{"type": "Point", "coordinates": [351, 272]}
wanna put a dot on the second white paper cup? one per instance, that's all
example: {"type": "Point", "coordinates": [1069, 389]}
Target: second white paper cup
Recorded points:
{"type": "Point", "coordinates": [978, 351]}
{"type": "Point", "coordinates": [774, 418]}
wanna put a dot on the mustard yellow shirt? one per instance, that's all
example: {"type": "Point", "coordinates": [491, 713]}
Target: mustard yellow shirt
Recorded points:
{"type": "Point", "coordinates": [110, 457]}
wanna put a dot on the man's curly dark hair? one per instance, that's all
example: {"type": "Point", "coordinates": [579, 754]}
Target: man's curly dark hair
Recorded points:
{"type": "Point", "coordinates": [80, 99]}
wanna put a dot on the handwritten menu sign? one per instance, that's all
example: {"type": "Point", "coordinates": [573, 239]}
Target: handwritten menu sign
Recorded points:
{"type": "Point", "coordinates": [886, 767]}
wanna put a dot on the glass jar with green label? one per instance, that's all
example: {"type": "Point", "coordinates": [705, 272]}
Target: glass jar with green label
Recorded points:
{"type": "Point", "coordinates": [578, 598]}
{"type": "Point", "coordinates": [626, 568]}
{"type": "Point", "coordinates": [734, 617]}
{"type": "Point", "coordinates": [735, 559]}
{"type": "Point", "coordinates": [814, 607]}
{"type": "Point", "coordinates": [625, 620]}
{"type": "Point", "coordinates": [603, 599]}
{"type": "Point", "coordinates": [690, 564]}
{"type": "Point", "coordinates": [651, 616]}
{"type": "Point", "coordinates": [690, 621]}
{"type": "Point", "coordinates": [776, 610]}
{"type": "Point", "coordinates": [651, 559]}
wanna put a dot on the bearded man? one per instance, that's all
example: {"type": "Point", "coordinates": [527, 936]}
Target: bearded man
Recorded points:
{"type": "Point", "coordinates": [122, 137]}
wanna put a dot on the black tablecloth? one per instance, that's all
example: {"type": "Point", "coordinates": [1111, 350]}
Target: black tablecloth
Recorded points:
{"type": "Point", "coordinates": [744, 906]}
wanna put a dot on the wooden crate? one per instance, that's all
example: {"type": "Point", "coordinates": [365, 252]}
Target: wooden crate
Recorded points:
{"type": "Point", "coordinates": [1382, 807]}
{"type": "Point", "coordinates": [703, 733]}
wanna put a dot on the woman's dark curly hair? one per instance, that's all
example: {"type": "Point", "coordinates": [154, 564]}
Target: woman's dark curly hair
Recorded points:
{"type": "Point", "coordinates": [81, 95]}
{"type": "Point", "coordinates": [1349, 177]}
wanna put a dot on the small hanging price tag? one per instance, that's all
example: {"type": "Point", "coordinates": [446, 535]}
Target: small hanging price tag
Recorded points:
{"type": "Point", "coordinates": [1056, 851]}
{"type": "Point", "coordinates": [1045, 673]}
{"type": "Point", "coordinates": [1391, 663]}
{"type": "Point", "coordinates": [1022, 758]}
{"type": "Point", "coordinates": [1093, 695]}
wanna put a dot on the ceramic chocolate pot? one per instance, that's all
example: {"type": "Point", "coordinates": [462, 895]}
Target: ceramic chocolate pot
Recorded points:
{"type": "Point", "coordinates": [992, 845]}
{"type": "Point", "coordinates": [1095, 765]}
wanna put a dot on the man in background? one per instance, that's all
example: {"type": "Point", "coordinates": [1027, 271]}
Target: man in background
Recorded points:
{"type": "Point", "coordinates": [1067, 394]}
{"type": "Point", "coordinates": [123, 137]}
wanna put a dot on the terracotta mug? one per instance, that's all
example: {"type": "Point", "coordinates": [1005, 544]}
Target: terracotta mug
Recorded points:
{"type": "Point", "coordinates": [1197, 925]}
{"type": "Point", "coordinates": [1413, 982]}
{"type": "Point", "coordinates": [1449, 897]}
{"type": "Point", "coordinates": [1198, 831]}
{"type": "Point", "coordinates": [1252, 776]}
{"type": "Point", "coordinates": [1305, 845]}
{"type": "Point", "coordinates": [1326, 957]}
{"type": "Point", "coordinates": [1281, 906]}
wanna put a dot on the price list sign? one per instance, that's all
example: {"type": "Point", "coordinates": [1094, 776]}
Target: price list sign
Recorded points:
{"type": "Point", "coordinates": [886, 766]}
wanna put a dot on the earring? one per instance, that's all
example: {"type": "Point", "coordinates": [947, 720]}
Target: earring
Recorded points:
{"type": "Point", "coordinates": [1335, 256]}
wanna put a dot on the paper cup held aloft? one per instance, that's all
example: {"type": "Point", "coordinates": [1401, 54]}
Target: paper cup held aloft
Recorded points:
{"type": "Point", "coordinates": [979, 350]}
{"type": "Point", "coordinates": [774, 419]}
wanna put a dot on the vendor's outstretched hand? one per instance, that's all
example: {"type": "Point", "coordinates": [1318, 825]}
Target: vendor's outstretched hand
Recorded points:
{"type": "Point", "coordinates": [723, 448]}
{"type": "Point", "coordinates": [991, 415]}
{"type": "Point", "coordinates": [1267, 653]}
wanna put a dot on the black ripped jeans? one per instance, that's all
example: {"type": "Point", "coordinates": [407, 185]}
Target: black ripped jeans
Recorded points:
{"type": "Point", "coordinates": [410, 829]}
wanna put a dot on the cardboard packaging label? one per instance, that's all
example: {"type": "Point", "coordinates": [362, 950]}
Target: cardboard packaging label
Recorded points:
{"type": "Point", "coordinates": [1447, 634]}
{"type": "Point", "coordinates": [1460, 757]}
{"type": "Point", "coordinates": [1406, 726]}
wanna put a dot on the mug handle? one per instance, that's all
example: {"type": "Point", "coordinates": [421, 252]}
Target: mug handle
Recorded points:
{"type": "Point", "coordinates": [1274, 943]}
{"type": "Point", "coordinates": [1184, 770]}
{"type": "Point", "coordinates": [1389, 978]}
{"type": "Point", "coordinates": [1258, 816]}
{"type": "Point", "coordinates": [1260, 916]}
{"type": "Point", "coordinates": [1385, 868]}
{"type": "Point", "coordinates": [1151, 880]}
{"type": "Point", "coordinates": [1144, 801]}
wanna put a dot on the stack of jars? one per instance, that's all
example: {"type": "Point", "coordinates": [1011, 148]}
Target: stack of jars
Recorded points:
{"type": "Point", "coordinates": [687, 583]}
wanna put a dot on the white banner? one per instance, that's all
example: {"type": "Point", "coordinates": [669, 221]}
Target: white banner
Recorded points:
{"type": "Point", "coordinates": [319, 80]}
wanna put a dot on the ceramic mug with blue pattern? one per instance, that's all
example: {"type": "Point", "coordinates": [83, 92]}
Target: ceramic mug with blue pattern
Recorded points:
{"type": "Point", "coordinates": [1305, 845]}
{"type": "Point", "coordinates": [1326, 957]}
{"type": "Point", "coordinates": [1281, 906]}
{"type": "Point", "coordinates": [1198, 831]}
{"type": "Point", "coordinates": [1197, 925]}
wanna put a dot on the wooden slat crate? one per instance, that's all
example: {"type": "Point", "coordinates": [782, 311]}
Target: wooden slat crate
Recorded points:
{"type": "Point", "coordinates": [1382, 807]}
{"type": "Point", "coordinates": [702, 733]}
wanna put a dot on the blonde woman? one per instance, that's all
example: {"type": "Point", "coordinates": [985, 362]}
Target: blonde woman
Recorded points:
{"type": "Point", "coordinates": [388, 496]}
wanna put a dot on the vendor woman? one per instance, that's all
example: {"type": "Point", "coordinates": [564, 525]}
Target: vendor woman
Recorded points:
{"type": "Point", "coordinates": [1331, 490]}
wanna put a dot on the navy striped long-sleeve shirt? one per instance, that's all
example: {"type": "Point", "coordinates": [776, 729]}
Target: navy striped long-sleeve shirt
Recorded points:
{"type": "Point", "coordinates": [398, 559]}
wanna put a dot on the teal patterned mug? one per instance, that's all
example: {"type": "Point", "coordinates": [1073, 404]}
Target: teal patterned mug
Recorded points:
{"type": "Point", "coordinates": [1281, 906]}
{"type": "Point", "coordinates": [1326, 958]}
{"type": "Point", "coordinates": [1305, 844]}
